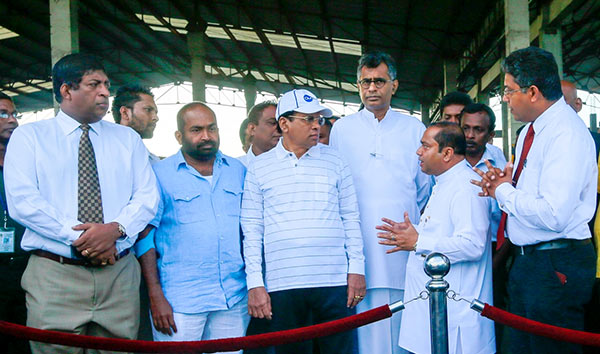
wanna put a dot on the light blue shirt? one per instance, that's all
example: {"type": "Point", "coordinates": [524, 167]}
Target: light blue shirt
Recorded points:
{"type": "Point", "coordinates": [41, 177]}
{"type": "Point", "coordinates": [198, 234]}
{"type": "Point", "coordinates": [497, 160]}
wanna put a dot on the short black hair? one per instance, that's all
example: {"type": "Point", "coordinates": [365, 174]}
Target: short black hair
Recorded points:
{"type": "Point", "coordinates": [127, 96]}
{"type": "Point", "coordinates": [185, 108]}
{"type": "Point", "coordinates": [285, 115]}
{"type": "Point", "coordinates": [534, 66]}
{"type": "Point", "coordinates": [480, 107]}
{"type": "Point", "coordinates": [4, 96]}
{"type": "Point", "coordinates": [450, 135]}
{"type": "Point", "coordinates": [71, 68]}
{"type": "Point", "coordinates": [243, 127]}
{"type": "Point", "coordinates": [256, 111]}
{"type": "Point", "coordinates": [455, 97]}
{"type": "Point", "coordinates": [374, 59]}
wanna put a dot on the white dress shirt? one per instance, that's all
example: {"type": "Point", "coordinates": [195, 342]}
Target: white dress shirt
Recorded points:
{"type": "Point", "coordinates": [41, 173]}
{"type": "Point", "coordinates": [555, 196]}
{"type": "Point", "coordinates": [388, 180]}
{"type": "Point", "coordinates": [497, 160]}
{"type": "Point", "coordinates": [455, 222]}
{"type": "Point", "coordinates": [302, 214]}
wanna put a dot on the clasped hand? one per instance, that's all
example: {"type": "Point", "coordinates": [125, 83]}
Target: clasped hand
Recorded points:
{"type": "Point", "coordinates": [98, 242]}
{"type": "Point", "coordinates": [491, 179]}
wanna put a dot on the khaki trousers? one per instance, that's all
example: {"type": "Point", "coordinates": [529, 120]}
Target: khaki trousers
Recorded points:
{"type": "Point", "coordinates": [95, 301]}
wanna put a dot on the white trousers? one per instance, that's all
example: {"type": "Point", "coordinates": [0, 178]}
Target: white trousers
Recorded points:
{"type": "Point", "coordinates": [209, 325]}
{"type": "Point", "coordinates": [380, 337]}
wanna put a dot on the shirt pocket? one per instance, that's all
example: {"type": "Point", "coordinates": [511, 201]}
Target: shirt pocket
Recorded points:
{"type": "Point", "coordinates": [232, 200]}
{"type": "Point", "coordinates": [188, 206]}
{"type": "Point", "coordinates": [320, 187]}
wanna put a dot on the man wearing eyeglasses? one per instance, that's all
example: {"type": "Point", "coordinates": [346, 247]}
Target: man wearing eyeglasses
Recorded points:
{"type": "Point", "coordinates": [379, 144]}
{"type": "Point", "coordinates": [13, 259]}
{"type": "Point", "coordinates": [299, 209]}
{"type": "Point", "coordinates": [547, 203]}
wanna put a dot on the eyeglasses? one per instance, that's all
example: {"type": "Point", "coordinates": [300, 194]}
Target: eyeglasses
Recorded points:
{"type": "Point", "coordinates": [310, 119]}
{"type": "Point", "coordinates": [379, 82]}
{"type": "Point", "coordinates": [509, 92]}
{"type": "Point", "coordinates": [6, 115]}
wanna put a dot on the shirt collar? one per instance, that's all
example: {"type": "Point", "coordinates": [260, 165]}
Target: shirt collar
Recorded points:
{"type": "Point", "coordinates": [68, 124]}
{"type": "Point", "coordinates": [547, 116]}
{"type": "Point", "coordinates": [371, 116]}
{"type": "Point", "coordinates": [282, 153]}
{"type": "Point", "coordinates": [250, 153]}
{"type": "Point", "coordinates": [220, 159]}
{"type": "Point", "coordinates": [450, 172]}
{"type": "Point", "coordinates": [487, 155]}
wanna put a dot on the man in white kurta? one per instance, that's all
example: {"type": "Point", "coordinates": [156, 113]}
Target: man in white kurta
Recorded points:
{"type": "Point", "coordinates": [379, 144]}
{"type": "Point", "coordinates": [455, 222]}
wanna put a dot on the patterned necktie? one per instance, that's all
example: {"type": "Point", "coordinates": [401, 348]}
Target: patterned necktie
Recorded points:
{"type": "Point", "coordinates": [88, 187]}
{"type": "Point", "coordinates": [526, 146]}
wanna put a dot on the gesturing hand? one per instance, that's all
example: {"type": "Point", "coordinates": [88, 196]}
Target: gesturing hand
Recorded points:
{"type": "Point", "coordinates": [402, 235]}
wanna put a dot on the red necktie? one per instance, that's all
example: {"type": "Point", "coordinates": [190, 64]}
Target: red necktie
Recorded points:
{"type": "Point", "coordinates": [526, 146]}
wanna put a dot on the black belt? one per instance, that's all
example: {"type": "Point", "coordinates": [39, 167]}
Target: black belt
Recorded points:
{"type": "Point", "coordinates": [551, 245]}
{"type": "Point", "coordinates": [73, 261]}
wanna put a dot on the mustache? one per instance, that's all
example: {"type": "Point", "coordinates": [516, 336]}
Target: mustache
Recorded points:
{"type": "Point", "coordinates": [206, 144]}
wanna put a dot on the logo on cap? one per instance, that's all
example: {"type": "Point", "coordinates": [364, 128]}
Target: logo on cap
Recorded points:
{"type": "Point", "coordinates": [307, 98]}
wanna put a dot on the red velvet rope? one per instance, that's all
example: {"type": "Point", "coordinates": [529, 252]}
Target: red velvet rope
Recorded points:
{"type": "Point", "coordinates": [207, 346]}
{"type": "Point", "coordinates": [540, 329]}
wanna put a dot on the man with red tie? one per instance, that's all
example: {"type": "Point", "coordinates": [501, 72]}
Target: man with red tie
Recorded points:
{"type": "Point", "coordinates": [546, 204]}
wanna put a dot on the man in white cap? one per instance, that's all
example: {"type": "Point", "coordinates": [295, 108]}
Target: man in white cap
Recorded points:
{"type": "Point", "coordinates": [299, 209]}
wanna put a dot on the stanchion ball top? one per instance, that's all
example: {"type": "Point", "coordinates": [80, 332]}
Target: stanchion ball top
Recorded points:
{"type": "Point", "coordinates": [437, 265]}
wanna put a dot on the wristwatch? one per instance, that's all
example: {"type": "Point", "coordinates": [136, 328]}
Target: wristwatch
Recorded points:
{"type": "Point", "coordinates": [121, 229]}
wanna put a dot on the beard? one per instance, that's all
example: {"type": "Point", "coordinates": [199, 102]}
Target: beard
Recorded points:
{"type": "Point", "coordinates": [203, 152]}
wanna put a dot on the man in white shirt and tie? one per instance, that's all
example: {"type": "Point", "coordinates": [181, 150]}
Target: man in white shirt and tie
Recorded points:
{"type": "Point", "coordinates": [547, 203]}
{"type": "Point", "coordinates": [455, 222]}
{"type": "Point", "coordinates": [379, 145]}
{"type": "Point", "coordinates": [84, 189]}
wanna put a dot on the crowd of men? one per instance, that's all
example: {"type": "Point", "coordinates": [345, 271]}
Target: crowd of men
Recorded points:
{"type": "Point", "coordinates": [321, 219]}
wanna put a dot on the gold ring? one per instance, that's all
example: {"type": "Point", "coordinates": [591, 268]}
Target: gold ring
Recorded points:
{"type": "Point", "coordinates": [356, 297]}
{"type": "Point", "coordinates": [85, 252]}
{"type": "Point", "coordinates": [104, 263]}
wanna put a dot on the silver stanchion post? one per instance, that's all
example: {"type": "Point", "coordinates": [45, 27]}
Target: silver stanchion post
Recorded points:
{"type": "Point", "coordinates": [437, 266]}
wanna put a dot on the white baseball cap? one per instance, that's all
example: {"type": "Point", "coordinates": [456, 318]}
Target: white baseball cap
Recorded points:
{"type": "Point", "coordinates": [302, 101]}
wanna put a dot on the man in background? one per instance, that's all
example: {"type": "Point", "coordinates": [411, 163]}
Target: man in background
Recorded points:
{"type": "Point", "coordinates": [13, 259]}
{"type": "Point", "coordinates": [452, 104]}
{"type": "Point", "coordinates": [134, 106]}
{"type": "Point", "coordinates": [262, 130]}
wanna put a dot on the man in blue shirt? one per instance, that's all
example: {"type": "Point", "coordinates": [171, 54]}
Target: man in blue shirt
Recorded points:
{"type": "Point", "coordinates": [196, 280]}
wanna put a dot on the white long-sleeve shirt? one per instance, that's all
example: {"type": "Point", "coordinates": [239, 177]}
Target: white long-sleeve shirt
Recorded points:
{"type": "Point", "coordinates": [455, 222]}
{"type": "Point", "coordinates": [302, 213]}
{"type": "Point", "coordinates": [41, 176]}
{"type": "Point", "coordinates": [388, 180]}
{"type": "Point", "coordinates": [555, 196]}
